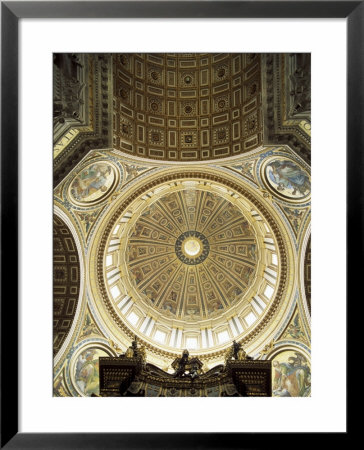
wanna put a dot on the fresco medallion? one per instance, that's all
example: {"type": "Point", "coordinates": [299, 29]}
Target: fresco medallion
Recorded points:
{"type": "Point", "coordinates": [286, 179]}
{"type": "Point", "coordinates": [93, 183]}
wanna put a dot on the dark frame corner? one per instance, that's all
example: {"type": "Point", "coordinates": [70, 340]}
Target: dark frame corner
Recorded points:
{"type": "Point", "coordinates": [11, 12]}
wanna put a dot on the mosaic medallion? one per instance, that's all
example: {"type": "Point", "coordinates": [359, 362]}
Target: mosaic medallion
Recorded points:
{"type": "Point", "coordinates": [286, 179]}
{"type": "Point", "coordinates": [85, 372]}
{"type": "Point", "coordinates": [192, 247]}
{"type": "Point", "coordinates": [291, 375]}
{"type": "Point", "coordinates": [93, 183]}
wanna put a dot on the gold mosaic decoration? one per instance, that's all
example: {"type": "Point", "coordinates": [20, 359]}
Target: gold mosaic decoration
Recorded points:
{"type": "Point", "coordinates": [87, 219]}
{"type": "Point", "coordinates": [295, 216]}
{"type": "Point", "coordinates": [295, 330]}
{"type": "Point", "coordinates": [89, 327]}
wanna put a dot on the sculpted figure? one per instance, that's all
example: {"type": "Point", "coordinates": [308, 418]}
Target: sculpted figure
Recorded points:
{"type": "Point", "coordinates": [180, 364]}
{"type": "Point", "coordinates": [236, 349]}
{"type": "Point", "coordinates": [236, 352]}
{"type": "Point", "coordinates": [134, 351]}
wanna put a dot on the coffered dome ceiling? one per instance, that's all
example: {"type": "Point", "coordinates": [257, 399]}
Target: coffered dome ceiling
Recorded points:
{"type": "Point", "coordinates": [191, 254]}
{"type": "Point", "coordinates": [190, 258]}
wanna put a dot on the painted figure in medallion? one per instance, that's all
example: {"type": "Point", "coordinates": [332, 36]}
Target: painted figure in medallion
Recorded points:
{"type": "Point", "coordinates": [87, 371]}
{"type": "Point", "coordinates": [288, 178]}
{"type": "Point", "coordinates": [92, 182]}
{"type": "Point", "coordinates": [291, 375]}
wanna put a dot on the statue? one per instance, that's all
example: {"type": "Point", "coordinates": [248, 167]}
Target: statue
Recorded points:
{"type": "Point", "coordinates": [242, 355]}
{"type": "Point", "coordinates": [129, 353]}
{"type": "Point", "coordinates": [236, 352]}
{"type": "Point", "coordinates": [134, 346]}
{"type": "Point", "coordinates": [134, 351]}
{"type": "Point", "coordinates": [180, 366]}
{"type": "Point", "coordinates": [194, 370]}
{"type": "Point", "coordinates": [187, 367]}
{"type": "Point", "coordinates": [236, 349]}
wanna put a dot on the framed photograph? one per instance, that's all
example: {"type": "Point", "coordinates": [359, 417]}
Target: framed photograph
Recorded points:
{"type": "Point", "coordinates": [163, 248]}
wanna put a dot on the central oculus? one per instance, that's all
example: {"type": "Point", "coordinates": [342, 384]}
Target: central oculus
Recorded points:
{"type": "Point", "coordinates": [192, 247]}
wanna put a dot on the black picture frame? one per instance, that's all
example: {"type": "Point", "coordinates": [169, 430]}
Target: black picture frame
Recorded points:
{"type": "Point", "coordinates": [11, 12]}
